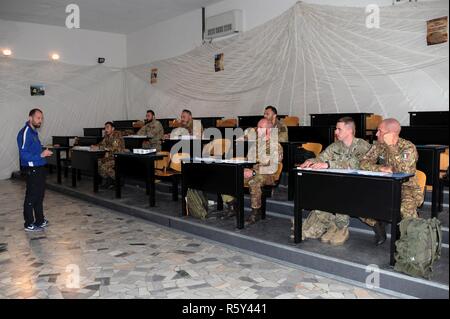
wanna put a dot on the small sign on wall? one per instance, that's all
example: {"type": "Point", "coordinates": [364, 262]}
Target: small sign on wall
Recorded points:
{"type": "Point", "coordinates": [37, 90]}
{"type": "Point", "coordinates": [154, 76]}
{"type": "Point", "coordinates": [437, 31]}
{"type": "Point", "coordinates": [219, 62]}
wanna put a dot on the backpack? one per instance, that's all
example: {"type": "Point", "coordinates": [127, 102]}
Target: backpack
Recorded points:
{"type": "Point", "coordinates": [196, 204]}
{"type": "Point", "coordinates": [419, 246]}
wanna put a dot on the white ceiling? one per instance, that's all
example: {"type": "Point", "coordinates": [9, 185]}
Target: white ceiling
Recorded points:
{"type": "Point", "coordinates": [116, 16]}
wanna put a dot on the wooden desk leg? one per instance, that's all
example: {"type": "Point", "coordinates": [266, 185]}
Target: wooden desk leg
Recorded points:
{"type": "Point", "coordinates": [58, 167]}
{"type": "Point", "coordinates": [152, 195]}
{"type": "Point", "coordinates": [219, 202]}
{"type": "Point", "coordinates": [291, 184]}
{"type": "Point", "coordinates": [74, 177]}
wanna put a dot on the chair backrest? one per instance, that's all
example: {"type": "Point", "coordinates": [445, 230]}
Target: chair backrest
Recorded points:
{"type": "Point", "coordinates": [278, 173]}
{"type": "Point", "coordinates": [373, 121]}
{"type": "Point", "coordinates": [138, 124]}
{"type": "Point", "coordinates": [175, 123]}
{"type": "Point", "coordinates": [175, 161]}
{"type": "Point", "coordinates": [421, 179]}
{"type": "Point", "coordinates": [218, 147]}
{"type": "Point", "coordinates": [316, 148]}
{"type": "Point", "coordinates": [226, 123]}
{"type": "Point", "coordinates": [291, 121]}
{"type": "Point", "coordinates": [444, 161]}
{"type": "Point", "coordinates": [163, 163]}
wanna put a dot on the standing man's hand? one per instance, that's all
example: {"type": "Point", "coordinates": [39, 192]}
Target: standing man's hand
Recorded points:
{"type": "Point", "coordinates": [46, 153]}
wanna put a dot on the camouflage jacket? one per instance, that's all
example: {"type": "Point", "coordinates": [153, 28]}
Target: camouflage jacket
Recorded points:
{"type": "Point", "coordinates": [402, 158]}
{"type": "Point", "coordinates": [338, 155]}
{"type": "Point", "coordinates": [282, 131]}
{"type": "Point", "coordinates": [267, 157]}
{"type": "Point", "coordinates": [155, 130]}
{"type": "Point", "coordinates": [190, 128]}
{"type": "Point", "coordinates": [113, 143]}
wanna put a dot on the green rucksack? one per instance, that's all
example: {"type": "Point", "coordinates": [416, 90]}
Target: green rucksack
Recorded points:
{"type": "Point", "coordinates": [196, 203]}
{"type": "Point", "coordinates": [419, 246]}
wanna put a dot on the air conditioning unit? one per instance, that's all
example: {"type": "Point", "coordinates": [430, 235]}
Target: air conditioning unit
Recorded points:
{"type": "Point", "coordinates": [224, 24]}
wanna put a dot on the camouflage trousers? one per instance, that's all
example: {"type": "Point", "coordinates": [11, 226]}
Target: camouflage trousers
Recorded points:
{"type": "Point", "coordinates": [411, 199]}
{"type": "Point", "coordinates": [255, 185]}
{"type": "Point", "coordinates": [106, 167]}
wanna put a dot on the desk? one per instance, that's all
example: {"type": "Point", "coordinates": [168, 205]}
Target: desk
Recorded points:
{"type": "Point", "coordinates": [63, 140]}
{"type": "Point", "coordinates": [55, 159]}
{"type": "Point", "coordinates": [290, 150]}
{"type": "Point", "coordinates": [141, 166]}
{"type": "Point", "coordinates": [423, 135]}
{"type": "Point", "coordinates": [216, 177]}
{"type": "Point", "coordinates": [331, 119]}
{"type": "Point", "coordinates": [194, 146]}
{"type": "Point", "coordinates": [132, 142]}
{"type": "Point", "coordinates": [98, 131]}
{"type": "Point", "coordinates": [429, 163]}
{"type": "Point", "coordinates": [377, 197]}
{"type": "Point", "coordinates": [89, 140]}
{"type": "Point", "coordinates": [86, 161]}
{"type": "Point", "coordinates": [432, 118]}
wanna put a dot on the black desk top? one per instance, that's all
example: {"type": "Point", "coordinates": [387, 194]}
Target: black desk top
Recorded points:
{"type": "Point", "coordinates": [432, 146]}
{"type": "Point", "coordinates": [359, 173]}
{"type": "Point", "coordinates": [139, 156]}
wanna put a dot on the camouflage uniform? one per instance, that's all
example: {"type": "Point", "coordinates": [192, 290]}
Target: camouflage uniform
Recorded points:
{"type": "Point", "coordinates": [338, 155]}
{"type": "Point", "coordinates": [155, 130]}
{"type": "Point", "coordinates": [282, 131]}
{"type": "Point", "coordinates": [402, 158]}
{"type": "Point", "coordinates": [113, 143]}
{"type": "Point", "coordinates": [190, 128]}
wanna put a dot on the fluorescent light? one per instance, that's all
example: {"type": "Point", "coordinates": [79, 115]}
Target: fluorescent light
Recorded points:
{"type": "Point", "coordinates": [6, 52]}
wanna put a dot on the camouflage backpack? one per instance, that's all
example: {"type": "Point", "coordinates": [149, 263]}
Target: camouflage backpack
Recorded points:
{"type": "Point", "coordinates": [419, 246]}
{"type": "Point", "coordinates": [196, 203]}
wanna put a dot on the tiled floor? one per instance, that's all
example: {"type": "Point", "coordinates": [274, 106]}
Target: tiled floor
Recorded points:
{"type": "Point", "coordinates": [91, 252]}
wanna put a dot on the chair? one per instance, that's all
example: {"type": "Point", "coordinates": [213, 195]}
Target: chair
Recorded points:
{"type": "Point", "coordinates": [226, 123]}
{"type": "Point", "coordinates": [316, 148]}
{"type": "Point", "coordinates": [169, 168]}
{"type": "Point", "coordinates": [174, 124]}
{"type": "Point", "coordinates": [138, 124]}
{"type": "Point", "coordinates": [291, 121]}
{"type": "Point", "coordinates": [422, 180]}
{"type": "Point", "coordinates": [372, 123]}
{"type": "Point", "coordinates": [217, 148]}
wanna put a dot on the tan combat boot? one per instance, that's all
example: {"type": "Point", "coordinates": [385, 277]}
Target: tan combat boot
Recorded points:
{"type": "Point", "coordinates": [340, 237]}
{"type": "Point", "coordinates": [326, 238]}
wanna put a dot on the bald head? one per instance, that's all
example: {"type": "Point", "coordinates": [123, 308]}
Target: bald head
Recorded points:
{"type": "Point", "coordinates": [265, 123]}
{"type": "Point", "coordinates": [392, 126]}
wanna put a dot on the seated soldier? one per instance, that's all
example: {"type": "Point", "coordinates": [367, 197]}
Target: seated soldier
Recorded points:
{"type": "Point", "coordinates": [188, 125]}
{"type": "Point", "coordinates": [113, 142]}
{"type": "Point", "coordinates": [392, 154]}
{"type": "Point", "coordinates": [271, 114]}
{"type": "Point", "coordinates": [154, 129]}
{"type": "Point", "coordinates": [345, 154]}
{"type": "Point", "coordinates": [267, 153]}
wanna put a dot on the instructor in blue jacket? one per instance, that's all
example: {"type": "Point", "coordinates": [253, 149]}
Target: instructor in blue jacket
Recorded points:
{"type": "Point", "coordinates": [32, 161]}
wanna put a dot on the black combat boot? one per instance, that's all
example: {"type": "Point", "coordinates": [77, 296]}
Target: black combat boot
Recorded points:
{"type": "Point", "coordinates": [254, 216]}
{"type": "Point", "coordinates": [380, 233]}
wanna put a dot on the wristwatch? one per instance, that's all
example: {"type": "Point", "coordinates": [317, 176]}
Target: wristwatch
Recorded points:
{"type": "Point", "coordinates": [254, 173]}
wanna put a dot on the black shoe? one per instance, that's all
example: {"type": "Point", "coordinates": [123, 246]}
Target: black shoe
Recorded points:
{"type": "Point", "coordinates": [254, 217]}
{"type": "Point", "coordinates": [380, 233]}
